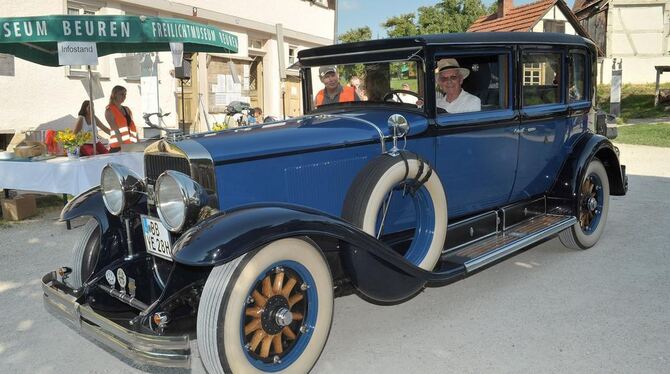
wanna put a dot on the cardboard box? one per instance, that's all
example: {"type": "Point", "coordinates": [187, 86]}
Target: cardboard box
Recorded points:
{"type": "Point", "coordinates": [18, 208]}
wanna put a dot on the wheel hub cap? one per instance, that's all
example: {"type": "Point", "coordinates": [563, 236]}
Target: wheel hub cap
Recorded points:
{"type": "Point", "coordinates": [283, 317]}
{"type": "Point", "coordinates": [592, 204]}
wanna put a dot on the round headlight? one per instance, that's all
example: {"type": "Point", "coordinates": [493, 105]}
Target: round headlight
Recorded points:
{"type": "Point", "coordinates": [178, 200]}
{"type": "Point", "coordinates": [120, 187]}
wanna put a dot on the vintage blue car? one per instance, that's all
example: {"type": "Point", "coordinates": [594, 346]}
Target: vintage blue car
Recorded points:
{"type": "Point", "coordinates": [455, 152]}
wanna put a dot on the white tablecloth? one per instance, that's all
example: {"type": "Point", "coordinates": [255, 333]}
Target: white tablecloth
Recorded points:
{"type": "Point", "coordinates": [63, 175]}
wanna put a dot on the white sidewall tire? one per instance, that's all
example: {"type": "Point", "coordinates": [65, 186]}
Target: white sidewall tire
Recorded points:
{"type": "Point", "coordinates": [75, 279]}
{"type": "Point", "coordinates": [391, 178]}
{"type": "Point", "coordinates": [575, 237]}
{"type": "Point", "coordinates": [224, 296]}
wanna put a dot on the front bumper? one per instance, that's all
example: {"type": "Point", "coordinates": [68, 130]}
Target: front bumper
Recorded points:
{"type": "Point", "coordinates": [165, 351]}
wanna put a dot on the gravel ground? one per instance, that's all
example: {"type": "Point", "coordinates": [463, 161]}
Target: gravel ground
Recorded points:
{"type": "Point", "coordinates": [547, 310]}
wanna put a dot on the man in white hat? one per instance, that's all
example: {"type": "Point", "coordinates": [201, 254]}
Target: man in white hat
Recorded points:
{"type": "Point", "coordinates": [452, 98]}
{"type": "Point", "coordinates": [333, 91]}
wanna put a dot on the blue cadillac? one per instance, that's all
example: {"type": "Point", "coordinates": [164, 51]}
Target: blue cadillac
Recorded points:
{"type": "Point", "coordinates": [454, 153]}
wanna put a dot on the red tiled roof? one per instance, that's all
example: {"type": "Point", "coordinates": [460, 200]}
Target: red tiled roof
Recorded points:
{"type": "Point", "coordinates": [518, 19]}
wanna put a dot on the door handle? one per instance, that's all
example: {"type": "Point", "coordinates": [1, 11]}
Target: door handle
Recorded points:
{"type": "Point", "coordinates": [517, 131]}
{"type": "Point", "coordinates": [530, 129]}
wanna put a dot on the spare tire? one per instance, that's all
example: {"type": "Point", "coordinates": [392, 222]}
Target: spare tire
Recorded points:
{"type": "Point", "coordinates": [372, 187]}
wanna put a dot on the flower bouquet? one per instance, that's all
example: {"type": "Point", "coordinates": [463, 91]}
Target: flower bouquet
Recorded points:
{"type": "Point", "coordinates": [71, 141]}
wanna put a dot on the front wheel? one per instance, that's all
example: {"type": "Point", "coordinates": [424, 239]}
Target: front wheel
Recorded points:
{"type": "Point", "coordinates": [594, 197]}
{"type": "Point", "coordinates": [267, 311]}
{"type": "Point", "coordinates": [85, 254]}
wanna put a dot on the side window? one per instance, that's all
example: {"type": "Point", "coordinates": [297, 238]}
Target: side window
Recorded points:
{"type": "Point", "coordinates": [541, 78]}
{"type": "Point", "coordinates": [577, 78]}
{"type": "Point", "coordinates": [472, 83]}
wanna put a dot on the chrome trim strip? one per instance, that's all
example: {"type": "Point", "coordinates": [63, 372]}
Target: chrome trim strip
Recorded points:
{"type": "Point", "coordinates": [164, 351]}
{"type": "Point", "coordinates": [519, 244]}
{"type": "Point", "coordinates": [419, 48]}
{"type": "Point", "coordinates": [342, 116]}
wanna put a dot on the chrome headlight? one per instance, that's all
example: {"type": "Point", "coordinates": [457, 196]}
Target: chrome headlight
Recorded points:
{"type": "Point", "coordinates": [178, 200]}
{"type": "Point", "coordinates": [120, 187]}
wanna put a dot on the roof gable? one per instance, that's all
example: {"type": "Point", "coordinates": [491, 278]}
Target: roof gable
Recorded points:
{"type": "Point", "coordinates": [521, 18]}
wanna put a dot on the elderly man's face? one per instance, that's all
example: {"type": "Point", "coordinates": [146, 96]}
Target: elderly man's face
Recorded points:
{"type": "Point", "coordinates": [450, 81]}
{"type": "Point", "coordinates": [330, 80]}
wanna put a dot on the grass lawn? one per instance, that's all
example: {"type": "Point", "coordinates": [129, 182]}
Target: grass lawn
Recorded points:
{"type": "Point", "coordinates": [637, 101]}
{"type": "Point", "coordinates": [656, 134]}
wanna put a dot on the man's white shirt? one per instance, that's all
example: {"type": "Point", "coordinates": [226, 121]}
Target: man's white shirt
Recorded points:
{"type": "Point", "coordinates": [465, 102]}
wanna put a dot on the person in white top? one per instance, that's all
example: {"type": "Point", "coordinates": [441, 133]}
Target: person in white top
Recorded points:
{"type": "Point", "coordinates": [452, 98]}
{"type": "Point", "coordinates": [85, 123]}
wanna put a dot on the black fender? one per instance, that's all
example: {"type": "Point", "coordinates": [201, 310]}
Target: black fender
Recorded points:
{"type": "Point", "coordinates": [376, 271]}
{"type": "Point", "coordinates": [90, 203]}
{"type": "Point", "coordinates": [112, 229]}
{"type": "Point", "coordinates": [588, 147]}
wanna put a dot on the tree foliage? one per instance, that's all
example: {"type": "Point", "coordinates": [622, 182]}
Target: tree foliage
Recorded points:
{"type": "Point", "coordinates": [356, 35]}
{"type": "Point", "coordinates": [447, 16]}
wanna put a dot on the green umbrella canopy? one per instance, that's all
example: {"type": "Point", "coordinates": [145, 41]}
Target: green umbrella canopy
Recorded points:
{"type": "Point", "coordinates": [36, 38]}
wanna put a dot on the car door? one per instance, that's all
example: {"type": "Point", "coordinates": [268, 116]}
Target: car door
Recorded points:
{"type": "Point", "coordinates": [543, 132]}
{"type": "Point", "coordinates": [476, 152]}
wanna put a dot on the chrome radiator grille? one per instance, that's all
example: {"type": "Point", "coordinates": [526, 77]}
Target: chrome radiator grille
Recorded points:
{"type": "Point", "coordinates": [156, 164]}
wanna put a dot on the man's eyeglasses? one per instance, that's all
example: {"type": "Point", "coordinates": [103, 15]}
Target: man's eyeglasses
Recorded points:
{"type": "Point", "coordinates": [452, 78]}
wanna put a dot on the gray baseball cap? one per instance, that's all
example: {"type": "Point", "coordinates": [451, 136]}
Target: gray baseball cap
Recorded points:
{"type": "Point", "coordinates": [323, 70]}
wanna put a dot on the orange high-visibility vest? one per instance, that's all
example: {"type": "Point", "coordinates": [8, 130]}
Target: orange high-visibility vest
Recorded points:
{"type": "Point", "coordinates": [128, 130]}
{"type": "Point", "coordinates": [347, 94]}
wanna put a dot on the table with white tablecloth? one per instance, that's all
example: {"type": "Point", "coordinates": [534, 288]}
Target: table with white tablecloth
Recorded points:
{"type": "Point", "coordinates": [62, 174]}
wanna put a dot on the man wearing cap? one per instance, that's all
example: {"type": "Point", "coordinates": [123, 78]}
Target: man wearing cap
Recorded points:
{"type": "Point", "coordinates": [452, 97]}
{"type": "Point", "coordinates": [333, 92]}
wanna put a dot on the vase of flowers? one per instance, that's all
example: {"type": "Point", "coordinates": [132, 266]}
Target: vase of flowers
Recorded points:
{"type": "Point", "coordinates": [71, 141]}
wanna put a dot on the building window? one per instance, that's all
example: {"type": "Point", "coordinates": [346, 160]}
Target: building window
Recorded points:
{"type": "Point", "coordinates": [551, 25]}
{"type": "Point", "coordinates": [79, 70]}
{"type": "Point", "coordinates": [292, 53]}
{"type": "Point", "coordinates": [541, 78]}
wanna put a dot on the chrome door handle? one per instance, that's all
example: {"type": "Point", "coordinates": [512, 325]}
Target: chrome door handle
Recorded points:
{"type": "Point", "coordinates": [517, 131]}
{"type": "Point", "coordinates": [530, 129]}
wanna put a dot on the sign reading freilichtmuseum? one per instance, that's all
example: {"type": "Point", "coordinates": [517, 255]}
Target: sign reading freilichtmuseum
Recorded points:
{"type": "Point", "coordinates": [35, 38]}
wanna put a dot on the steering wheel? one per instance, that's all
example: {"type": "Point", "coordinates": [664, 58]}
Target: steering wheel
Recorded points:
{"type": "Point", "coordinates": [389, 96]}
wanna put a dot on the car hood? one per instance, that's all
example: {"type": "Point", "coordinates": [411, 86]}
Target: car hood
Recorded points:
{"type": "Point", "coordinates": [322, 131]}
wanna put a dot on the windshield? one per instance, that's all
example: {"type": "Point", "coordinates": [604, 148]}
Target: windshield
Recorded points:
{"type": "Point", "coordinates": [395, 82]}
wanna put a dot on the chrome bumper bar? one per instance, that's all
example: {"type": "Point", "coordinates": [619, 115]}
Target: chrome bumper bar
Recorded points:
{"type": "Point", "coordinates": [164, 351]}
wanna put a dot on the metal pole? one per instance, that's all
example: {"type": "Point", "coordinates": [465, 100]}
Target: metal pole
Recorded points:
{"type": "Point", "coordinates": [183, 109]}
{"type": "Point", "coordinates": [94, 129]}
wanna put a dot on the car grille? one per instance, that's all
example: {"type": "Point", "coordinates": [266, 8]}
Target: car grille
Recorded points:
{"type": "Point", "coordinates": [156, 164]}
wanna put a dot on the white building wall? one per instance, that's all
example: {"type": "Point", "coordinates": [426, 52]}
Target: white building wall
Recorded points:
{"type": "Point", "coordinates": [638, 34]}
{"type": "Point", "coordinates": [39, 95]}
{"type": "Point", "coordinates": [555, 14]}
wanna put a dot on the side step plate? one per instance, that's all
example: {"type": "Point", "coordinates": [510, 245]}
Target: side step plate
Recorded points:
{"type": "Point", "coordinates": [501, 244]}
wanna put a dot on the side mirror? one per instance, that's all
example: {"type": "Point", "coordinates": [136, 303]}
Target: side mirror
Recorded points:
{"type": "Point", "coordinates": [398, 123]}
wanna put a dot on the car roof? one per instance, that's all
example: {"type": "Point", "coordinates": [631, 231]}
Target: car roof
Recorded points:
{"type": "Point", "coordinates": [467, 38]}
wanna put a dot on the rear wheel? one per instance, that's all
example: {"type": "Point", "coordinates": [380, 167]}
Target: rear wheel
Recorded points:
{"type": "Point", "coordinates": [267, 311]}
{"type": "Point", "coordinates": [85, 254]}
{"type": "Point", "coordinates": [594, 194]}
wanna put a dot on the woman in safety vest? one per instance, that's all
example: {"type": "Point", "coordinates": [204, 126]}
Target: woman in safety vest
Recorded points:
{"type": "Point", "coordinates": [120, 120]}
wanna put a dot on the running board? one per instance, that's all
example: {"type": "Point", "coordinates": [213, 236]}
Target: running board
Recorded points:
{"type": "Point", "coordinates": [503, 243]}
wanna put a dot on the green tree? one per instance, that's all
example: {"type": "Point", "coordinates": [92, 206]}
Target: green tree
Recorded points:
{"type": "Point", "coordinates": [356, 35]}
{"type": "Point", "coordinates": [447, 16]}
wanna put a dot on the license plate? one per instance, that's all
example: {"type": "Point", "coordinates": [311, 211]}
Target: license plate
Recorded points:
{"type": "Point", "coordinates": [156, 237]}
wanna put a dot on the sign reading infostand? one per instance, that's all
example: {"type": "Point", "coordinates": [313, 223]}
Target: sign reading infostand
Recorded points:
{"type": "Point", "coordinates": [77, 53]}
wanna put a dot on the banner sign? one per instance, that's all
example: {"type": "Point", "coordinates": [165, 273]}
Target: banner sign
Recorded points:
{"type": "Point", "coordinates": [77, 53]}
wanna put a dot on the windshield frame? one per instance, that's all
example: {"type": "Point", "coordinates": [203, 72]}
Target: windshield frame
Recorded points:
{"type": "Point", "coordinates": [413, 54]}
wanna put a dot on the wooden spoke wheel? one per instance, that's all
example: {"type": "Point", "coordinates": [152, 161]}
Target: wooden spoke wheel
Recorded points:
{"type": "Point", "coordinates": [273, 317]}
{"type": "Point", "coordinates": [269, 310]}
{"type": "Point", "coordinates": [593, 205]}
